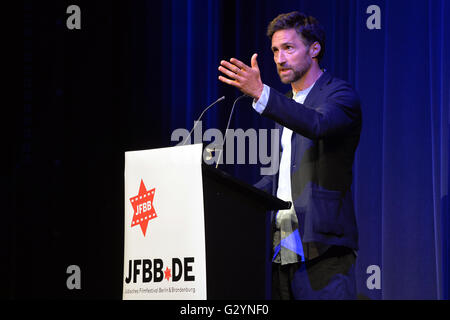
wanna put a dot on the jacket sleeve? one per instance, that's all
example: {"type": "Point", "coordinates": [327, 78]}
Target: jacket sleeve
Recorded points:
{"type": "Point", "coordinates": [265, 184]}
{"type": "Point", "coordinates": [338, 114]}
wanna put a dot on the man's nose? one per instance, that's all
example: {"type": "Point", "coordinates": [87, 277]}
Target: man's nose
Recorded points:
{"type": "Point", "coordinates": [281, 59]}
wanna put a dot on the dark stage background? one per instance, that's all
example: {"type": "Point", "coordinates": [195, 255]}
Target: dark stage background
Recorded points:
{"type": "Point", "coordinates": [138, 70]}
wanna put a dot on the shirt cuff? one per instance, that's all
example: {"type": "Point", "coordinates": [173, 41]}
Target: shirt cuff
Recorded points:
{"type": "Point", "coordinates": [261, 104]}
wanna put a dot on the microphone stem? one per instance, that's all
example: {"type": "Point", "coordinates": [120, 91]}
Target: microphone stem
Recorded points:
{"type": "Point", "coordinates": [201, 115]}
{"type": "Point", "coordinates": [226, 130]}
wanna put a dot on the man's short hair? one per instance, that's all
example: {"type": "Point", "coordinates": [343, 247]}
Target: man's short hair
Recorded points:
{"type": "Point", "coordinates": [308, 28]}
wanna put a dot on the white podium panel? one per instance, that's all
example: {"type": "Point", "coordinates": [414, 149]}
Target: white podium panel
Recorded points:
{"type": "Point", "coordinates": [164, 249]}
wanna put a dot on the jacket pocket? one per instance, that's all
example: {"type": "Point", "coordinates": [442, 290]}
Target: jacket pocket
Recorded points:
{"type": "Point", "coordinates": [325, 210]}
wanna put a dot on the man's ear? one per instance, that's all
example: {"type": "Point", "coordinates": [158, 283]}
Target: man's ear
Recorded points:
{"type": "Point", "coordinates": [314, 49]}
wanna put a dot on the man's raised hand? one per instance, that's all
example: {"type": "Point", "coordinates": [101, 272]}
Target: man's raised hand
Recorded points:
{"type": "Point", "coordinates": [245, 78]}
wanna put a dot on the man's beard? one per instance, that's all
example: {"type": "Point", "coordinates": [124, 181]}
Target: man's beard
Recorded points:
{"type": "Point", "coordinates": [296, 74]}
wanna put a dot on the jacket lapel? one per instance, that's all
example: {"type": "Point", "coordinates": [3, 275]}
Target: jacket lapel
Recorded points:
{"type": "Point", "coordinates": [310, 100]}
{"type": "Point", "coordinates": [318, 87]}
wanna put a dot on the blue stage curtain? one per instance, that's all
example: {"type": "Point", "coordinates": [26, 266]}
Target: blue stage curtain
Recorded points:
{"type": "Point", "coordinates": [138, 70]}
{"type": "Point", "coordinates": [401, 71]}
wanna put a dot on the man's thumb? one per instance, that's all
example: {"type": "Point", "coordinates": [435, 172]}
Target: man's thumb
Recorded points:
{"type": "Point", "coordinates": [254, 62]}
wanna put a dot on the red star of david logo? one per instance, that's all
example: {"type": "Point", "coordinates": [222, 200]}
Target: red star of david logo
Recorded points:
{"type": "Point", "coordinates": [167, 274]}
{"type": "Point", "coordinates": [143, 207]}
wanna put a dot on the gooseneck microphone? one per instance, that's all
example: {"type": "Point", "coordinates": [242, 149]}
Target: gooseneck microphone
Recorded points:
{"type": "Point", "coordinates": [228, 125]}
{"type": "Point", "coordinates": [201, 115]}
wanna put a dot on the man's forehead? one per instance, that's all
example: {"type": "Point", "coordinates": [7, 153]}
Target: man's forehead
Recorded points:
{"type": "Point", "coordinates": [285, 36]}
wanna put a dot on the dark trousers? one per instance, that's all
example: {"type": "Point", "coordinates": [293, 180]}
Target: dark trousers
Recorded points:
{"type": "Point", "coordinates": [329, 276]}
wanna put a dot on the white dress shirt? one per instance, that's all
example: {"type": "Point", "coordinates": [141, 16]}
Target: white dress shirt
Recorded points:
{"type": "Point", "coordinates": [286, 220]}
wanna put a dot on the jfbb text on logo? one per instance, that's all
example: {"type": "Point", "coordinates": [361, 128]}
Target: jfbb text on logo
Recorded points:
{"type": "Point", "coordinates": [152, 270]}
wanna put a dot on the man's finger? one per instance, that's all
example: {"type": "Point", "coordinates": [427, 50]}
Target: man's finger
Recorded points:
{"type": "Point", "coordinates": [229, 73]}
{"type": "Point", "coordinates": [230, 66]}
{"type": "Point", "coordinates": [239, 64]}
{"type": "Point", "coordinates": [230, 82]}
{"type": "Point", "coordinates": [254, 61]}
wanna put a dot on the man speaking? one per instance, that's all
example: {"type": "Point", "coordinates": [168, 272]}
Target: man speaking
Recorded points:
{"type": "Point", "coordinates": [314, 242]}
